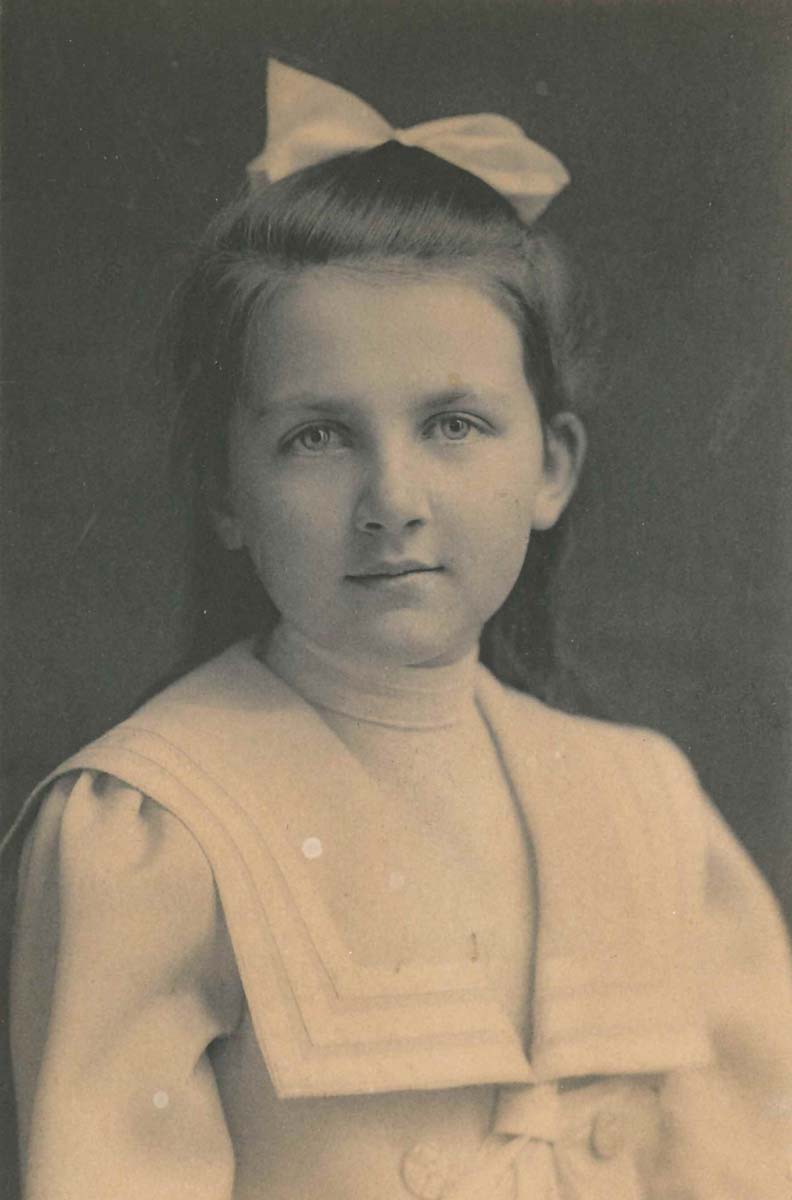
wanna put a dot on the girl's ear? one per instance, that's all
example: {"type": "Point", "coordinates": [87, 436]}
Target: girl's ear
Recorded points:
{"type": "Point", "coordinates": [565, 450]}
{"type": "Point", "coordinates": [228, 530]}
{"type": "Point", "coordinates": [226, 524]}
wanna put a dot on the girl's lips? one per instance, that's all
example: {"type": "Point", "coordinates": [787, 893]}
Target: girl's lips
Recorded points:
{"type": "Point", "coordinates": [388, 570]}
{"type": "Point", "coordinates": [391, 573]}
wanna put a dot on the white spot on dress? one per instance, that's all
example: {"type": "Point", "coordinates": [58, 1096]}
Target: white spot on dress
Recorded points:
{"type": "Point", "coordinates": [161, 1100]}
{"type": "Point", "coordinates": [312, 847]}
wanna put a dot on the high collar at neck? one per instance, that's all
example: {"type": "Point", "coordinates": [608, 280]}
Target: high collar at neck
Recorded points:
{"type": "Point", "coordinates": [377, 692]}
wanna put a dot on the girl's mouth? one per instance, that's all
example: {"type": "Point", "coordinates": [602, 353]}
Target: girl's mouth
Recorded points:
{"type": "Point", "coordinates": [387, 572]}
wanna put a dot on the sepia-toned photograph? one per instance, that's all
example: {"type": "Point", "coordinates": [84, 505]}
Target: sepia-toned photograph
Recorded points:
{"type": "Point", "coordinates": [396, 726]}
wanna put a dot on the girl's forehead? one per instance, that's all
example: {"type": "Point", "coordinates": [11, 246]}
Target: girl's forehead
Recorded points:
{"type": "Point", "coordinates": [321, 289]}
{"type": "Point", "coordinates": [333, 328]}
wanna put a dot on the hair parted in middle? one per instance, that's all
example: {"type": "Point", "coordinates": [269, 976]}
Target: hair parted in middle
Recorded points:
{"type": "Point", "coordinates": [390, 211]}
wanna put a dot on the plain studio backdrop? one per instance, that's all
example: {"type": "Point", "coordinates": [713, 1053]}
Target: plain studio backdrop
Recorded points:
{"type": "Point", "coordinates": [128, 124]}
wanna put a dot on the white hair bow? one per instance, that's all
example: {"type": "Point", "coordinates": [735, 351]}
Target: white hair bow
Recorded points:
{"type": "Point", "coordinates": [310, 121]}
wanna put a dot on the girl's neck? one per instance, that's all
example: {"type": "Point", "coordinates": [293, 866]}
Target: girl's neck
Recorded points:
{"type": "Point", "coordinates": [425, 697]}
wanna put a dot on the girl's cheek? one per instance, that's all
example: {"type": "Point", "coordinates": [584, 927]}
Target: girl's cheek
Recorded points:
{"type": "Point", "coordinates": [290, 525]}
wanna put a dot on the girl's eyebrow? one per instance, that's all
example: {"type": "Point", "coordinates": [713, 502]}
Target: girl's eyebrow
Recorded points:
{"type": "Point", "coordinates": [309, 402]}
{"type": "Point", "coordinates": [461, 394]}
{"type": "Point", "coordinates": [332, 405]}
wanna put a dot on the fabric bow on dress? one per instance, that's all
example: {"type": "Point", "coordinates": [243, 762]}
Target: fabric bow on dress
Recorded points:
{"type": "Point", "coordinates": [546, 1142]}
{"type": "Point", "coordinates": [525, 1127]}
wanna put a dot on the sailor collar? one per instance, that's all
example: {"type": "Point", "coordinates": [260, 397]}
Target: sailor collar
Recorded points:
{"type": "Point", "coordinates": [610, 984]}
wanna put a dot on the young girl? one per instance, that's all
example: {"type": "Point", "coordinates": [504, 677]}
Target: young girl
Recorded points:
{"type": "Point", "coordinates": [340, 914]}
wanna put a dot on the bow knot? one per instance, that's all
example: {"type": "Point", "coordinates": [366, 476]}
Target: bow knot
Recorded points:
{"type": "Point", "coordinates": [310, 121]}
{"type": "Point", "coordinates": [525, 1126]}
{"type": "Point", "coordinates": [532, 1111]}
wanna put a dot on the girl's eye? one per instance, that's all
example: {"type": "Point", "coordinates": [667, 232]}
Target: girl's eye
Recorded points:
{"type": "Point", "coordinates": [453, 427]}
{"type": "Point", "coordinates": [313, 439]}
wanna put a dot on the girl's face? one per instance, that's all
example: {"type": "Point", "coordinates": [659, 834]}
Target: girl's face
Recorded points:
{"type": "Point", "coordinates": [388, 463]}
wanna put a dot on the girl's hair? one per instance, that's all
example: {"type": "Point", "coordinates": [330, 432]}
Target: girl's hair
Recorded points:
{"type": "Point", "coordinates": [392, 210]}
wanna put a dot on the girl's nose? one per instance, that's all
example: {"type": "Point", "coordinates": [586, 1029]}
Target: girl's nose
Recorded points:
{"type": "Point", "coordinates": [392, 496]}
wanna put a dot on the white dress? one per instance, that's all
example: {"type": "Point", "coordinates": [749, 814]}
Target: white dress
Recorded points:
{"type": "Point", "coordinates": [281, 978]}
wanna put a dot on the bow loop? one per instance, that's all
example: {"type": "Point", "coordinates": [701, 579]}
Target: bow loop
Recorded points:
{"type": "Point", "coordinates": [497, 151]}
{"type": "Point", "coordinates": [310, 121]}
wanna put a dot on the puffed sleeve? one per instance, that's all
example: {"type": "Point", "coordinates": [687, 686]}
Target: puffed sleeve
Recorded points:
{"type": "Point", "coordinates": [731, 1122]}
{"type": "Point", "coordinates": [122, 976]}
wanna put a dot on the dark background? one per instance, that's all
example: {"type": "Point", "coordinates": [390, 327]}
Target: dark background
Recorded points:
{"type": "Point", "coordinates": [127, 125]}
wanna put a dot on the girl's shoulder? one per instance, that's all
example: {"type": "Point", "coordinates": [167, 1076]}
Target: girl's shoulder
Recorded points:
{"type": "Point", "coordinates": [582, 742]}
{"type": "Point", "coordinates": [114, 885]}
{"type": "Point", "coordinates": [642, 780]}
{"type": "Point", "coordinates": [110, 849]}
